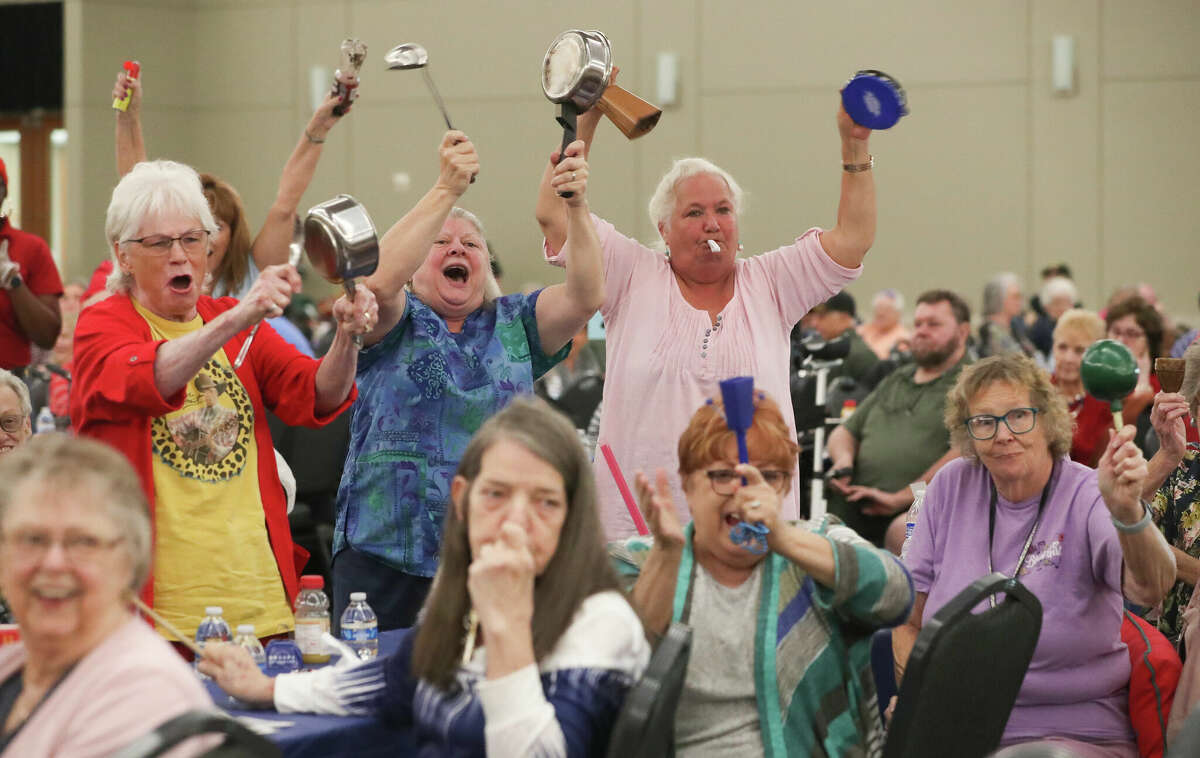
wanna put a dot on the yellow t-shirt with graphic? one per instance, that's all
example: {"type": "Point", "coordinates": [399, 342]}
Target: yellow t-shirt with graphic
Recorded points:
{"type": "Point", "coordinates": [211, 545]}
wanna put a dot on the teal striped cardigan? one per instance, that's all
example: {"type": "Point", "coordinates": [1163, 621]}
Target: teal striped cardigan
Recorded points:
{"type": "Point", "coordinates": [812, 644]}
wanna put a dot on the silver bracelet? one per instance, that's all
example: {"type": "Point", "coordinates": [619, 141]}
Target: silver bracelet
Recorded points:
{"type": "Point", "coordinates": [1124, 528]}
{"type": "Point", "coordinates": [313, 139]}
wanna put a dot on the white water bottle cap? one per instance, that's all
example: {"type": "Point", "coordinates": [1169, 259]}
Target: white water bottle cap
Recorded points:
{"type": "Point", "coordinates": [246, 629]}
{"type": "Point", "coordinates": [212, 610]}
{"type": "Point", "coordinates": [358, 597]}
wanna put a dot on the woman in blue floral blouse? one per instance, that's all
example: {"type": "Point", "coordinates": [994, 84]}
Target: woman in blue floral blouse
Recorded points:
{"type": "Point", "coordinates": [1173, 491]}
{"type": "Point", "coordinates": [448, 352]}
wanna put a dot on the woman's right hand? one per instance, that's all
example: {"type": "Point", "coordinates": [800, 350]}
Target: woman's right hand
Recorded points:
{"type": "Point", "coordinates": [571, 175]}
{"type": "Point", "coordinates": [659, 509]}
{"type": "Point", "coordinates": [270, 294]}
{"type": "Point", "coordinates": [1168, 416]}
{"type": "Point", "coordinates": [234, 671]}
{"type": "Point", "coordinates": [459, 161]}
{"type": "Point", "coordinates": [123, 86]}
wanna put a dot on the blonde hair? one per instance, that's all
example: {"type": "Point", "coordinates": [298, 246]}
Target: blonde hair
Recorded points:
{"type": "Point", "coordinates": [1018, 371]}
{"type": "Point", "coordinates": [1081, 321]}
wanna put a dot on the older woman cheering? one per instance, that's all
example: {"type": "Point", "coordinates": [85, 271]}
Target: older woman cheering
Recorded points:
{"type": "Point", "coordinates": [557, 644]}
{"type": "Point", "coordinates": [153, 378]}
{"type": "Point", "coordinates": [780, 661]}
{"type": "Point", "coordinates": [679, 324]}
{"type": "Point", "coordinates": [88, 676]}
{"type": "Point", "coordinates": [1075, 537]}
{"type": "Point", "coordinates": [448, 353]}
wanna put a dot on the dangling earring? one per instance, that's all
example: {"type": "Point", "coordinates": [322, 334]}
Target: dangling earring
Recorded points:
{"type": "Point", "coordinates": [667, 252]}
{"type": "Point", "coordinates": [740, 248]}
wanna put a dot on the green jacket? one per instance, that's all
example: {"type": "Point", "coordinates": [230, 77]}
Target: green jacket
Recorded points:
{"type": "Point", "coordinates": [812, 644]}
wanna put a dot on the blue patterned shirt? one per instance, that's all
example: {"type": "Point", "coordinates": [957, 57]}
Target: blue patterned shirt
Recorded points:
{"type": "Point", "coordinates": [423, 391]}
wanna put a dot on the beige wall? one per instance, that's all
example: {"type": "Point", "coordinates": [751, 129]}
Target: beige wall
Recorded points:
{"type": "Point", "coordinates": [990, 172]}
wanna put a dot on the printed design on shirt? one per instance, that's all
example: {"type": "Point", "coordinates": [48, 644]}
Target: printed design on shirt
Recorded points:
{"type": "Point", "coordinates": [430, 375]}
{"type": "Point", "coordinates": [209, 437]}
{"type": "Point", "coordinates": [1044, 554]}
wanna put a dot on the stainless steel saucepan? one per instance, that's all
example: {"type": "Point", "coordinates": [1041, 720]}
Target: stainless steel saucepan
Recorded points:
{"type": "Point", "coordinates": [341, 242]}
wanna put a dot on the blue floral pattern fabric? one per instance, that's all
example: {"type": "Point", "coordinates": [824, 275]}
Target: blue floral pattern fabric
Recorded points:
{"type": "Point", "coordinates": [422, 392]}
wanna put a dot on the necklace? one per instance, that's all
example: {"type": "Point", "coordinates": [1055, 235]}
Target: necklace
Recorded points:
{"type": "Point", "coordinates": [1032, 532]}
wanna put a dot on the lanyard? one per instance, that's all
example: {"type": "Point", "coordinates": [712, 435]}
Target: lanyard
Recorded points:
{"type": "Point", "coordinates": [1032, 532]}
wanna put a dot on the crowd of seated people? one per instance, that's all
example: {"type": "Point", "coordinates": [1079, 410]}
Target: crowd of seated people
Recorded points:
{"type": "Point", "coordinates": [477, 522]}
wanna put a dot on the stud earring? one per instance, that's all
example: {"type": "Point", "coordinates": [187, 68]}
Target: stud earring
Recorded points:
{"type": "Point", "coordinates": [667, 253]}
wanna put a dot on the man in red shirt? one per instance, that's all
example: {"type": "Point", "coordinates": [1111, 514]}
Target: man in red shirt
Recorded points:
{"type": "Point", "coordinates": [29, 290]}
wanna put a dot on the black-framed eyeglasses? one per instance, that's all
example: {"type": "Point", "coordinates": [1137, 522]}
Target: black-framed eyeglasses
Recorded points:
{"type": "Point", "coordinates": [725, 481]}
{"type": "Point", "coordinates": [1018, 421]}
{"type": "Point", "coordinates": [12, 424]}
{"type": "Point", "coordinates": [194, 242]}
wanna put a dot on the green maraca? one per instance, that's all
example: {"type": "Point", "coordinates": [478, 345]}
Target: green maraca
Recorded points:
{"type": "Point", "coordinates": [1109, 373]}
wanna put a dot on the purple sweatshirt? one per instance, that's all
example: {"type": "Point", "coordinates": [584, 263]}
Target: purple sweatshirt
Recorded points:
{"type": "Point", "coordinates": [1077, 683]}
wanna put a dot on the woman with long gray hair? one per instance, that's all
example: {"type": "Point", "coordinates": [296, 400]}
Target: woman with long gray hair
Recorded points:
{"type": "Point", "coordinates": [525, 646]}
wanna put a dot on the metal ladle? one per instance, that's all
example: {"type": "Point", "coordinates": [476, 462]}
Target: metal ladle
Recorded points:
{"type": "Point", "coordinates": [410, 55]}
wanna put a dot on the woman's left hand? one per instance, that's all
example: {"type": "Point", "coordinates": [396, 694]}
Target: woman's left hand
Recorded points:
{"type": "Point", "coordinates": [571, 175]}
{"type": "Point", "coordinates": [357, 316]}
{"type": "Point", "coordinates": [1169, 419]}
{"type": "Point", "coordinates": [324, 119]}
{"type": "Point", "coordinates": [1120, 475]}
{"type": "Point", "coordinates": [756, 501]}
{"type": "Point", "coordinates": [236, 672]}
{"type": "Point", "coordinates": [500, 581]}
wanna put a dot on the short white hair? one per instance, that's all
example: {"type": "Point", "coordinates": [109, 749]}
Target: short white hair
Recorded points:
{"type": "Point", "coordinates": [10, 380]}
{"type": "Point", "coordinates": [491, 287]}
{"type": "Point", "coordinates": [152, 188]}
{"type": "Point", "coordinates": [892, 295]}
{"type": "Point", "coordinates": [996, 290]}
{"type": "Point", "coordinates": [1056, 287]}
{"type": "Point", "coordinates": [662, 202]}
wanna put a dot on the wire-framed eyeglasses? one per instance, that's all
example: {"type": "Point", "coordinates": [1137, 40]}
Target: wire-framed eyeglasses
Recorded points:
{"type": "Point", "coordinates": [1019, 421]}
{"type": "Point", "coordinates": [194, 242]}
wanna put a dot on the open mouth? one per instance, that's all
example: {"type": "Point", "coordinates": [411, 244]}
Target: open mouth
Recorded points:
{"type": "Point", "coordinates": [181, 283]}
{"type": "Point", "coordinates": [731, 520]}
{"type": "Point", "coordinates": [457, 273]}
{"type": "Point", "coordinates": [55, 594]}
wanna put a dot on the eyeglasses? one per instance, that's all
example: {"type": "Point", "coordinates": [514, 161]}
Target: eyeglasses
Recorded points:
{"type": "Point", "coordinates": [1018, 421]}
{"type": "Point", "coordinates": [78, 547]}
{"type": "Point", "coordinates": [194, 242]}
{"type": "Point", "coordinates": [725, 481]}
{"type": "Point", "coordinates": [12, 424]}
{"type": "Point", "coordinates": [1131, 334]}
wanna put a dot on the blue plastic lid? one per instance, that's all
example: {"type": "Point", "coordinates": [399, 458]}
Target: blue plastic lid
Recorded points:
{"type": "Point", "coordinates": [874, 100]}
{"type": "Point", "coordinates": [283, 657]}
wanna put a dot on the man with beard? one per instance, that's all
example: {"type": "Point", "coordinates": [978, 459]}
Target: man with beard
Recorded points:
{"type": "Point", "coordinates": [896, 436]}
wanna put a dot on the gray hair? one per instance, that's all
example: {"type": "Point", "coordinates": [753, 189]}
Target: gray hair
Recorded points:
{"type": "Point", "coordinates": [996, 289]}
{"type": "Point", "coordinates": [1056, 287]}
{"type": "Point", "coordinates": [101, 478]}
{"type": "Point", "coordinates": [892, 295]}
{"type": "Point", "coordinates": [151, 189]}
{"type": "Point", "coordinates": [10, 380]}
{"type": "Point", "coordinates": [662, 202]}
{"type": "Point", "coordinates": [491, 288]}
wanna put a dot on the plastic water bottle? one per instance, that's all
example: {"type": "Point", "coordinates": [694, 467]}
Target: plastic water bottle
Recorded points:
{"type": "Point", "coordinates": [246, 638]}
{"type": "Point", "coordinates": [213, 627]}
{"type": "Point", "coordinates": [360, 628]}
{"type": "Point", "coordinates": [312, 619]}
{"type": "Point", "coordinates": [45, 421]}
{"type": "Point", "coordinates": [910, 520]}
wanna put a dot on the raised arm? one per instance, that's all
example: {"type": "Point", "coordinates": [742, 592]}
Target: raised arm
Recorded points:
{"type": "Point", "coordinates": [271, 245]}
{"type": "Point", "coordinates": [854, 233]}
{"type": "Point", "coordinates": [551, 213]}
{"type": "Point", "coordinates": [563, 309]}
{"type": "Point", "coordinates": [1168, 417]}
{"type": "Point", "coordinates": [654, 591]}
{"type": "Point", "coordinates": [406, 245]}
{"type": "Point", "coordinates": [131, 149]}
{"type": "Point", "coordinates": [1149, 566]}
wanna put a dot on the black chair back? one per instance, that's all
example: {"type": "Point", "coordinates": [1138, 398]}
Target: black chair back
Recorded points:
{"type": "Point", "coordinates": [964, 673]}
{"type": "Point", "coordinates": [239, 742]}
{"type": "Point", "coordinates": [645, 728]}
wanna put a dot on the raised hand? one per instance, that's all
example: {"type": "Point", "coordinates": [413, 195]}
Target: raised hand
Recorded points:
{"type": "Point", "coordinates": [123, 86]}
{"type": "Point", "coordinates": [357, 316]}
{"type": "Point", "coordinates": [571, 175]}
{"type": "Point", "coordinates": [460, 162]}
{"type": "Point", "coordinates": [1120, 475]}
{"type": "Point", "coordinates": [659, 510]}
{"type": "Point", "coordinates": [1169, 416]}
{"type": "Point", "coordinates": [271, 293]}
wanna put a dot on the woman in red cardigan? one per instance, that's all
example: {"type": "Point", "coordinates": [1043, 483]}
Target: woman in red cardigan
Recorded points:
{"type": "Point", "coordinates": [154, 379]}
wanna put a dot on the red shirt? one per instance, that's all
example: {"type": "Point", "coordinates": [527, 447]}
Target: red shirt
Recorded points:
{"type": "Point", "coordinates": [32, 254]}
{"type": "Point", "coordinates": [114, 398]}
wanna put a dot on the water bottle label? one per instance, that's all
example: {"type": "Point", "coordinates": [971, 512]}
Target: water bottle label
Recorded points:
{"type": "Point", "coordinates": [359, 634]}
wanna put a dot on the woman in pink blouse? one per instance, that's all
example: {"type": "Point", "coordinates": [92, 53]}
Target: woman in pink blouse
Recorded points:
{"type": "Point", "coordinates": [679, 323]}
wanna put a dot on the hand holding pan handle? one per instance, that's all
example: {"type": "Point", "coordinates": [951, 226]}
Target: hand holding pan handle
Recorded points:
{"type": "Point", "coordinates": [341, 243]}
